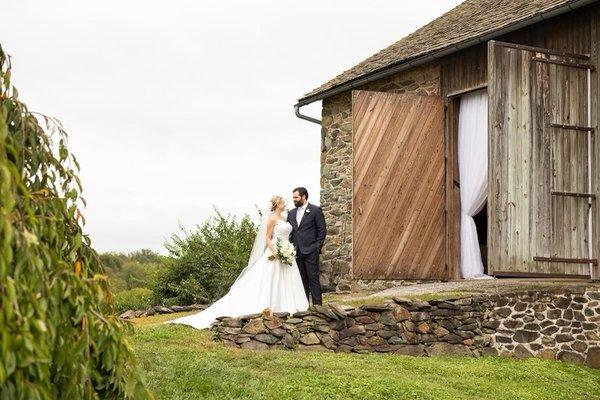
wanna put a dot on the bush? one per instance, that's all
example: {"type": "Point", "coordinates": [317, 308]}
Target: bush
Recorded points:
{"type": "Point", "coordinates": [205, 262]}
{"type": "Point", "coordinates": [58, 338]}
{"type": "Point", "coordinates": [132, 270]}
{"type": "Point", "coordinates": [133, 299]}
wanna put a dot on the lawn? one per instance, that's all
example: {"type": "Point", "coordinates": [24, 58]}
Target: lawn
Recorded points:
{"type": "Point", "coordinates": [183, 363]}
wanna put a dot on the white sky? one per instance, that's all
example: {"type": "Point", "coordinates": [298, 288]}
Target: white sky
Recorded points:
{"type": "Point", "coordinates": [173, 107]}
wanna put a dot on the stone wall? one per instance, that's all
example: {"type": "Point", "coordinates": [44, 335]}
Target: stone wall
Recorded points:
{"type": "Point", "coordinates": [336, 169]}
{"type": "Point", "coordinates": [561, 324]}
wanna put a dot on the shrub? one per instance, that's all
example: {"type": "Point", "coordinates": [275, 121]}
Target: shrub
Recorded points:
{"type": "Point", "coordinates": [57, 337]}
{"type": "Point", "coordinates": [133, 299]}
{"type": "Point", "coordinates": [205, 262]}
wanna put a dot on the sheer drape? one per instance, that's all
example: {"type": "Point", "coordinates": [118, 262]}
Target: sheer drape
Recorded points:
{"type": "Point", "coordinates": [472, 164]}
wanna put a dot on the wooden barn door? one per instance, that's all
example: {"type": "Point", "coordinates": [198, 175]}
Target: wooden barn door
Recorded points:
{"type": "Point", "coordinates": [541, 196]}
{"type": "Point", "coordinates": [398, 199]}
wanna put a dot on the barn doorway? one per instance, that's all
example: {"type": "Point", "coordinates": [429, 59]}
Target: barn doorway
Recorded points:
{"type": "Point", "coordinates": [473, 174]}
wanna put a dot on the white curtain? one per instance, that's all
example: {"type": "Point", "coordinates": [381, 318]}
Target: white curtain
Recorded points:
{"type": "Point", "coordinates": [472, 165]}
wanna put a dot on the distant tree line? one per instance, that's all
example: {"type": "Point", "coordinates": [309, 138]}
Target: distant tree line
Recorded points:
{"type": "Point", "coordinates": [201, 265]}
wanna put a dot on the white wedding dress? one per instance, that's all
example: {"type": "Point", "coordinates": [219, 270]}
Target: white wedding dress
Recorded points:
{"type": "Point", "coordinates": [263, 284]}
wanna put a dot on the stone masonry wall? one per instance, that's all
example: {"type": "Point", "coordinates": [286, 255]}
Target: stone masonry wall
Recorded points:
{"type": "Point", "coordinates": [336, 169]}
{"type": "Point", "coordinates": [561, 324]}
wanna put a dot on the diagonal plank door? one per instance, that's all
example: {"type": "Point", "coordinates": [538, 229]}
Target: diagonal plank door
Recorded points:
{"type": "Point", "coordinates": [398, 199]}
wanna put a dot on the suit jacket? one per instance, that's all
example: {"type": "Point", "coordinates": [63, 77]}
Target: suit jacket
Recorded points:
{"type": "Point", "coordinates": [310, 235]}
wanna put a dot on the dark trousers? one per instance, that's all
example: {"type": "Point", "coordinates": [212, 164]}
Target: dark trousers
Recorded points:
{"type": "Point", "coordinates": [308, 264]}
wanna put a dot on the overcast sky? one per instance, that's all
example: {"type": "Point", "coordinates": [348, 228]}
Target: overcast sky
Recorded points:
{"type": "Point", "coordinates": [173, 107]}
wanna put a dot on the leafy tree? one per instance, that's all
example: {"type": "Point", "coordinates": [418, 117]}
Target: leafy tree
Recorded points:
{"type": "Point", "coordinates": [58, 337]}
{"type": "Point", "coordinates": [205, 261]}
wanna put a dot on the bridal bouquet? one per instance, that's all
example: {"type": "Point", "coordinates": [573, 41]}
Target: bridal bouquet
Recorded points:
{"type": "Point", "coordinates": [285, 252]}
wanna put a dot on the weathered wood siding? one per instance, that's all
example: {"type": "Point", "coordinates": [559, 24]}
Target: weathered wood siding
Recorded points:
{"type": "Point", "coordinates": [399, 173]}
{"type": "Point", "coordinates": [533, 163]}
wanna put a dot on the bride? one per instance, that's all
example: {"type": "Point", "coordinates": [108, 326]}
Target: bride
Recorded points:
{"type": "Point", "coordinates": [263, 283]}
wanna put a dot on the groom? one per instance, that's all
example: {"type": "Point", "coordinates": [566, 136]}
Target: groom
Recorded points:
{"type": "Point", "coordinates": [308, 235]}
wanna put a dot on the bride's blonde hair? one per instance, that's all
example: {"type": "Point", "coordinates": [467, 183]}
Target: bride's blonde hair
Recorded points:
{"type": "Point", "coordinates": [274, 201]}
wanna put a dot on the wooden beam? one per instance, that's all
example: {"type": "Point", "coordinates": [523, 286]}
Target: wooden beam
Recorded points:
{"type": "Point", "coordinates": [572, 127]}
{"type": "Point", "coordinates": [592, 261]}
{"type": "Point", "coordinates": [563, 63]}
{"type": "Point", "coordinates": [542, 50]}
{"type": "Point", "coordinates": [573, 194]}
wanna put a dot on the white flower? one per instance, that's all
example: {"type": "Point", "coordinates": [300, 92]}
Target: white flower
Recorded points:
{"type": "Point", "coordinates": [307, 210]}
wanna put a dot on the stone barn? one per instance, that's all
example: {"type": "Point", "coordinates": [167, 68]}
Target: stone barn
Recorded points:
{"type": "Point", "coordinates": [466, 149]}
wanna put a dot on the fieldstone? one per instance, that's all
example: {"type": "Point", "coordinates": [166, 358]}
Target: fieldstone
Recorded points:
{"type": "Point", "coordinates": [266, 338]}
{"type": "Point", "coordinates": [491, 324]}
{"type": "Point", "coordinates": [522, 352]}
{"type": "Point", "coordinates": [446, 305]}
{"type": "Point", "coordinates": [468, 342]}
{"type": "Point", "coordinates": [547, 354]}
{"type": "Point", "coordinates": [386, 333]}
{"type": "Point", "coordinates": [532, 327]}
{"type": "Point", "coordinates": [416, 350]}
{"type": "Point", "coordinates": [579, 346]}
{"type": "Point", "coordinates": [254, 327]}
{"type": "Point", "coordinates": [395, 340]}
{"type": "Point", "coordinates": [522, 336]}
{"type": "Point", "coordinates": [242, 339]}
{"type": "Point", "coordinates": [322, 328]}
{"type": "Point", "coordinates": [520, 306]}
{"type": "Point", "coordinates": [229, 331]}
{"type": "Point", "coordinates": [446, 349]}
{"type": "Point", "coordinates": [309, 339]}
{"type": "Point", "coordinates": [548, 341]}
{"type": "Point", "coordinates": [593, 357]}
{"type": "Point", "coordinates": [325, 311]}
{"type": "Point", "coordinates": [440, 331]}
{"type": "Point", "coordinates": [279, 332]}
{"type": "Point", "coordinates": [344, 349]}
{"type": "Point", "coordinates": [452, 338]}
{"type": "Point", "coordinates": [550, 330]}
{"type": "Point", "coordinates": [419, 316]}
{"type": "Point", "coordinates": [570, 356]}
{"type": "Point", "coordinates": [352, 331]}
{"type": "Point", "coordinates": [254, 345]}
{"type": "Point", "coordinates": [423, 327]}
{"type": "Point", "coordinates": [567, 314]}
{"type": "Point", "coordinates": [129, 314]}
{"type": "Point", "coordinates": [376, 341]}
{"type": "Point", "coordinates": [293, 321]}
{"type": "Point", "coordinates": [482, 340]}
{"type": "Point", "coordinates": [562, 302]}
{"type": "Point", "coordinates": [349, 322]}
{"type": "Point", "coordinates": [273, 324]}
{"type": "Point", "coordinates": [338, 310]}
{"type": "Point", "coordinates": [465, 334]}
{"type": "Point", "coordinates": [338, 325]}
{"type": "Point", "coordinates": [503, 339]}
{"type": "Point", "coordinates": [489, 352]}
{"type": "Point", "coordinates": [503, 312]}
{"type": "Point", "coordinates": [512, 324]}
{"type": "Point", "coordinates": [387, 318]}
{"type": "Point", "coordinates": [401, 314]}
{"type": "Point", "coordinates": [281, 314]}
{"type": "Point", "coordinates": [163, 310]}
{"type": "Point", "coordinates": [231, 322]}
{"type": "Point", "coordinates": [362, 349]}
{"type": "Point", "coordinates": [301, 314]}
{"type": "Point", "coordinates": [384, 348]}
{"type": "Point", "coordinates": [409, 326]}
{"type": "Point", "coordinates": [564, 337]}
{"type": "Point", "coordinates": [374, 327]}
{"type": "Point", "coordinates": [468, 327]}
{"type": "Point", "coordinates": [314, 318]}
{"type": "Point", "coordinates": [449, 326]}
{"type": "Point", "coordinates": [364, 319]}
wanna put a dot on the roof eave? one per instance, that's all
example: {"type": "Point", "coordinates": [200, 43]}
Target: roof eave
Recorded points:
{"type": "Point", "coordinates": [443, 52]}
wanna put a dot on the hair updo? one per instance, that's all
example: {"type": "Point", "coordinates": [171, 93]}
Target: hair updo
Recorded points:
{"type": "Point", "coordinates": [275, 200]}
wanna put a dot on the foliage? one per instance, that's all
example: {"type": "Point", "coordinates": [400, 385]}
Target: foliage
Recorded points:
{"type": "Point", "coordinates": [133, 270]}
{"type": "Point", "coordinates": [206, 261]}
{"type": "Point", "coordinates": [56, 339]}
{"type": "Point", "coordinates": [191, 366]}
{"type": "Point", "coordinates": [133, 299]}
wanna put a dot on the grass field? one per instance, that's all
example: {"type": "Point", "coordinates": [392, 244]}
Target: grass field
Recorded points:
{"type": "Point", "coordinates": [185, 364]}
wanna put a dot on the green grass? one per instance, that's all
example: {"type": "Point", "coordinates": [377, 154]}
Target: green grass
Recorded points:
{"type": "Point", "coordinates": [185, 364]}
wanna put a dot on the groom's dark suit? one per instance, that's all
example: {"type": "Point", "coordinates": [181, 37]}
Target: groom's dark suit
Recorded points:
{"type": "Point", "coordinates": [308, 238]}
